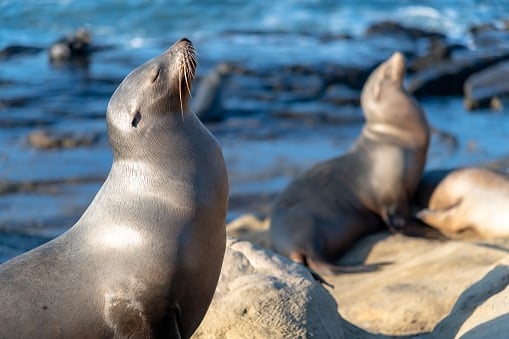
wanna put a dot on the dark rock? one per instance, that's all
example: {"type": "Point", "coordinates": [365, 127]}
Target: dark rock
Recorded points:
{"type": "Point", "coordinates": [15, 102]}
{"type": "Point", "coordinates": [448, 77]}
{"type": "Point", "coordinates": [25, 122]}
{"type": "Point", "coordinates": [48, 186]}
{"type": "Point", "coordinates": [353, 76]}
{"type": "Point", "coordinates": [484, 88]}
{"type": "Point", "coordinates": [339, 94]}
{"type": "Point", "coordinates": [43, 139]}
{"type": "Point", "coordinates": [18, 50]}
{"type": "Point", "coordinates": [491, 35]}
{"type": "Point", "coordinates": [437, 51]}
{"type": "Point", "coordinates": [486, 26]}
{"type": "Point", "coordinates": [329, 37]}
{"type": "Point", "coordinates": [395, 28]}
{"type": "Point", "coordinates": [295, 87]}
{"type": "Point", "coordinates": [491, 39]}
{"type": "Point", "coordinates": [315, 113]}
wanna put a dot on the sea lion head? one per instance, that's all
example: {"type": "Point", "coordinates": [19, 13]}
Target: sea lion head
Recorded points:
{"type": "Point", "coordinates": [388, 107]}
{"type": "Point", "coordinates": [151, 96]}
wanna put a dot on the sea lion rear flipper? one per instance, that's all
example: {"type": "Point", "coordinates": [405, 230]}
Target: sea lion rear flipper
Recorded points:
{"type": "Point", "coordinates": [326, 268]}
{"type": "Point", "coordinates": [428, 212]}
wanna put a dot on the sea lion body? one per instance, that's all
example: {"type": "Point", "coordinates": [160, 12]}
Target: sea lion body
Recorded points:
{"type": "Point", "coordinates": [469, 200]}
{"type": "Point", "coordinates": [322, 213]}
{"type": "Point", "coordinates": [144, 259]}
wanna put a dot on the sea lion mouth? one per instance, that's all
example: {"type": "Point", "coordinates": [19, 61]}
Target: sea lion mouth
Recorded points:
{"type": "Point", "coordinates": [187, 68]}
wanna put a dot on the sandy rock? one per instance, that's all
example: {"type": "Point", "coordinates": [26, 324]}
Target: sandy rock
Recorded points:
{"type": "Point", "coordinates": [428, 289]}
{"type": "Point", "coordinates": [420, 288]}
{"type": "Point", "coordinates": [481, 310]}
{"type": "Point", "coordinates": [263, 295]}
{"type": "Point", "coordinates": [250, 228]}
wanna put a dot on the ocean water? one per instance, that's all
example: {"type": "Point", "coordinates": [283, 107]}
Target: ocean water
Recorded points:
{"type": "Point", "coordinates": [226, 27]}
{"type": "Point", "coordinates": [262, 153]}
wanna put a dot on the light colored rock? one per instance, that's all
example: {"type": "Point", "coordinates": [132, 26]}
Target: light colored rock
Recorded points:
{"type": "Point", "coordinates": [250, 228]}
{"type": "Point", "coordinates": [482, 311]}
{"type": "Point", "coordinates": [414, 293]}
{"type": "Point", "coordinates": [263, 295]}
{"type": "Point", "coordinates": [428, 289]}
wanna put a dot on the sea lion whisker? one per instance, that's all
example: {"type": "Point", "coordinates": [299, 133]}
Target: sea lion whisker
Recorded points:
{"type": "Point", "coordinates": [186, 70]}
{"type": "Point", "coordinates": [180, 92]}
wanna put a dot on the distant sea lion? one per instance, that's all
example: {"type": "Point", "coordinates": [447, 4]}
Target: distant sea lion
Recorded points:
{"type": "Point", "coordinates": [473, 201]}
{"type": "Point", "coordinates": [322, 213]}
{"type": "Point", "coordinates": [73, 47]}
{"type": "Point", "coordinates": [208, 103]}
{"type": "Point", "coordinates": [144, 259]}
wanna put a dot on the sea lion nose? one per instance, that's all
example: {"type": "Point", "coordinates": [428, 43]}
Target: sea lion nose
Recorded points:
{"type": "Point", "coordinates": [179, 45]}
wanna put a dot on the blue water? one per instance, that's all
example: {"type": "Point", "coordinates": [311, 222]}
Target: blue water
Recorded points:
{"type": "Point", "coordinates": [262, 153]}
{"type": "Point", "coordinates": [137, 24]}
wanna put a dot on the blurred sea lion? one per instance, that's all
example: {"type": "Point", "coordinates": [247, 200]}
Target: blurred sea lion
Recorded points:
{"type": "Point", "coordinates": [469, 201]}
{"type": "Point", "coordinates": [322, 213]}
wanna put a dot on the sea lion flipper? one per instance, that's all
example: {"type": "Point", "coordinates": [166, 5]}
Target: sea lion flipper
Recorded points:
{"type": "Point", "coordinates": [174, 328]}
{"type": "Point", "coordinates": [418, 229]}
{"type": "Point", "coordinates": [426, 212]}
{"type": "Point", "coordinates": [411, 227]}
{"type": "Point", "coordinates": [327, 268]}
{"type": "Point", "coordinates": [393, 220]}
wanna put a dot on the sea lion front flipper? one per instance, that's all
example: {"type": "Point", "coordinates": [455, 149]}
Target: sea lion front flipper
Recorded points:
{"type": "Point", "coordinates": [411, 227]}
{"type": "Point", "coordinates": [418, 229]}
{"type": "Point", "coordinates": [173, 324]}
{"type": "Point", "coordinates": [326, 268]}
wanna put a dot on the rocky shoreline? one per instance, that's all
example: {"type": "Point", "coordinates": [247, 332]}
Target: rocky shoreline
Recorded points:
{"type": "Point", "coordinates": [54, 156]}
{"type": "Point", "coordinates": [427, 289]}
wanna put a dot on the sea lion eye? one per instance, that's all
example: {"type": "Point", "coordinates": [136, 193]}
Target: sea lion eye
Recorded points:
{"type": "Point", "coordinates": [155, 73]}
{"type": "Point", "coordinates": [136, 119]}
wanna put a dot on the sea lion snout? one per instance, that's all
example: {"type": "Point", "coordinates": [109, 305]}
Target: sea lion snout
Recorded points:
{"type": "Point", "coordinates": [184, 45]}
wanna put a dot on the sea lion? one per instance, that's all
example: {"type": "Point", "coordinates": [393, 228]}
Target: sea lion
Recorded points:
{"type": "Point", "coordinates": [208, 102]}
{"type": "Point", "coordinates": [322, 213]}
{"type": "Point", "coordinates": [144, 259]}
{"type": "Point", "coordinates": [470, 201]}
{"type": "Point", "coordinates": [73, 47]}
